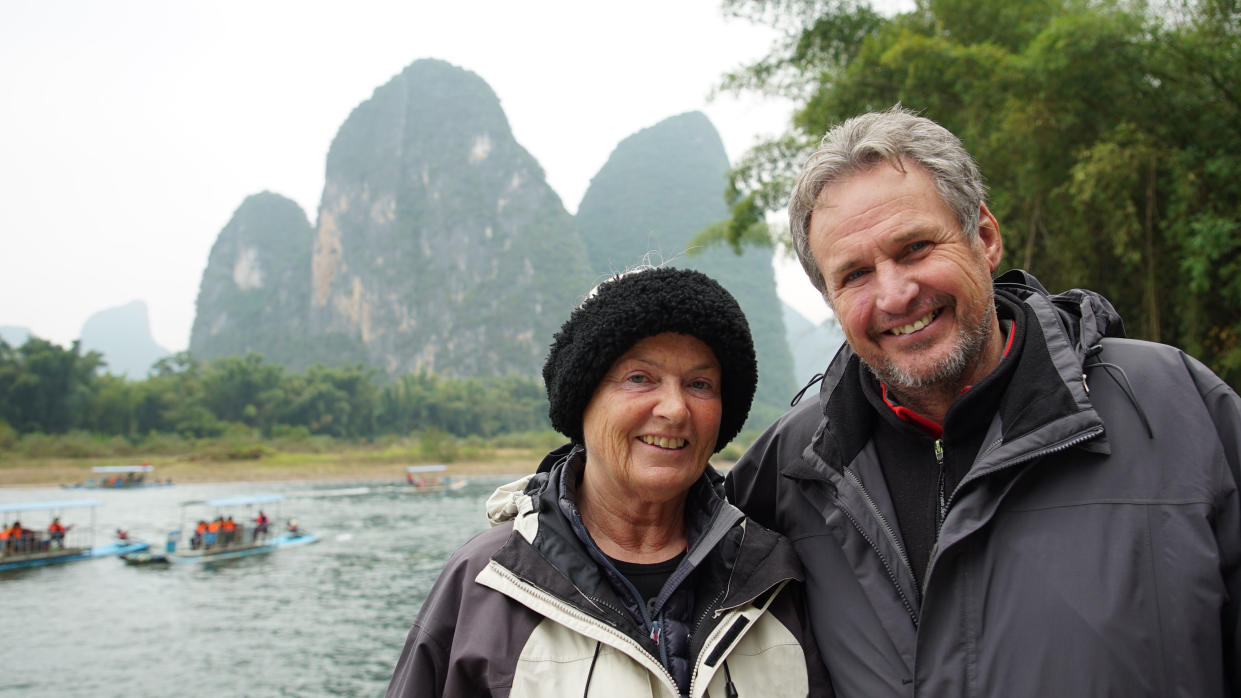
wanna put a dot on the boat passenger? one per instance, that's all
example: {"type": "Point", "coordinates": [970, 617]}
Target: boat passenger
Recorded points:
{"type": "Point", "coordinates": [213, 532]}
{"type": "Point", "coordinates": [56, 533]}
{"type": "Point", "coordinates": [229, 530]}
{"type": "Point", "coordinates": [618, 568]}
{"type": "Point", "coordinates": [260, 525]}
{"type": "Point", "coordinates": [292, 528]}
{"type": "Point", "coordinates": [17, 537]}
{"type": "Point", "coordinates": [200, 535]}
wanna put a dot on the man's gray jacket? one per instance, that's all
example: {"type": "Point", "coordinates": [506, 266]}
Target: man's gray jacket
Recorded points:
{"type": "Point", "coordinates": [1093, 548]}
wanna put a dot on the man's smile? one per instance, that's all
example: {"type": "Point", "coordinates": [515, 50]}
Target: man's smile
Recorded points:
{"type": "Point", "coordinates": [915, 325]}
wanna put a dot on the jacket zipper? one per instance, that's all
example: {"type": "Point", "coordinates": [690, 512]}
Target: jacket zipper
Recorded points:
{"type": "Point", "coordinates": [1029, 456]}
{"type": "Point", "coordinates": [585, 618]}
{"type": "Point", "coordinates": [891, 534]}
{"type": "Point", "coordinates": [707, 648]}
{"type": "Point", "coordinates": [1023, 458]}
{"type": "Point", "coordinates": [942, 510]}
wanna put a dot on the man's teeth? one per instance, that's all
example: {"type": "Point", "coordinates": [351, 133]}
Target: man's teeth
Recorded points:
{"type": "Point", "coordinates": [915, 325]}
{"type": "Point", "coordinates": [662, 441]}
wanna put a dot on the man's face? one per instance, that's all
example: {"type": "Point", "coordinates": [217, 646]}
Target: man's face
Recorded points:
{"type": "Point", "coordinates": [912, 293]}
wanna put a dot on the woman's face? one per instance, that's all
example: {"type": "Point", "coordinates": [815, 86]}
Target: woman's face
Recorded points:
{"type": "Point", "coordinates": [653, 420]}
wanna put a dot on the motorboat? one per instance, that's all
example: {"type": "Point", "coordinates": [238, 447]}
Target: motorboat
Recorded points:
{"type": "Point", "coordinates": [223, 535]}
{"type": "Point", "coordinates": [56, 542]}
{"type": "Point", "coordinates": [417, 480]}
{"type": "Point", "coordinates": [120, 477]}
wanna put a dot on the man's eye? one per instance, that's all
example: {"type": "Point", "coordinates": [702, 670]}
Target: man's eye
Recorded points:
{"type": "Point", "coordinates": [919, 245]}
{"type": "Point", "coordinates": [853, 276]}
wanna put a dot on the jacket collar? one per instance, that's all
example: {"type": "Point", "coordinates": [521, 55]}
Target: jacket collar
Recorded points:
{"type": "Point", "coordinates": [1046, 384]}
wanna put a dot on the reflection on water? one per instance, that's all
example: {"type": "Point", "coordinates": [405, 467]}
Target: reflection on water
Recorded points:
{"type": "Point", "coordinates": [327, 619]}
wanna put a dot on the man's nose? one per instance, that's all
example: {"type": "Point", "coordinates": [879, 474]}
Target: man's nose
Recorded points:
{"type": "Point", "coordinates": [896, 289]}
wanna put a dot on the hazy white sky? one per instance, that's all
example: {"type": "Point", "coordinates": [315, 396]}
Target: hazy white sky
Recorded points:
{"type": "Point", "coordinates": [131, 130]}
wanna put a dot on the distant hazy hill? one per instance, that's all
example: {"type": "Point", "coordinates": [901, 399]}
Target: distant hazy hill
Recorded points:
{"type": "Point", "coordinates": [123, 335]}
{"type": "Point", "coordinates": [255, 291]}
{"type": "Point", "coordinates": [661, 186]}
{"type": "Point", "coordinates": [440, 245]}
{"type": "Point", "coordinates": [813, 345]}
{"type": "Point", "coordinates": [15, 336]}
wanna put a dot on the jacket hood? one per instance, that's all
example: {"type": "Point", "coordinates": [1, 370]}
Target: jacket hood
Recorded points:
{"type": "Point", "coordinates": [1086, 316]}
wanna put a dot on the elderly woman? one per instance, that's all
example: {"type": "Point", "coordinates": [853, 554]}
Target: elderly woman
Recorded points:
{"type": "Point", "coordinates": [617, 569]}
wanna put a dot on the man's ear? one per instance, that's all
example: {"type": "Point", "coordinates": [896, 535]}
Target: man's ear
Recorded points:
{"type": "Point", "coordinates": [989, 237]}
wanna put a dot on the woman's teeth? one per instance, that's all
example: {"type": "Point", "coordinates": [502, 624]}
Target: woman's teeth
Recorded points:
{"type": "Point", "coordinates": [662, 442]}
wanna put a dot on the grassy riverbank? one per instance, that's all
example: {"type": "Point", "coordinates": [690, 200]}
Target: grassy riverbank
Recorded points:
{"type": "Point", "coordinates": [232, 461]}
{"type": "Point", "coordinates": [33, 472]}
{"type": "Point", "coordinates": [68, 459]}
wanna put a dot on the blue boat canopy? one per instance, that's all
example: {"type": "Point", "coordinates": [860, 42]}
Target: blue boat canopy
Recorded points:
{"type": "Point", "coordinates": [236, 501]}
{"type": "Point", "coordinates": [425, 468]}
{"type": "Point", "coordinates": [44, 506]}
{"type": "Point", "coordinates": [123, 468]}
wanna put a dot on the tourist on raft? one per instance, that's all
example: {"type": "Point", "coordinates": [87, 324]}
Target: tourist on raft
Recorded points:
{"type": "Point", "coordinates": [618, 569]}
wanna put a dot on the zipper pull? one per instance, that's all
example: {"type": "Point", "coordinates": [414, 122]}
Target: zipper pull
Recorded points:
{"type": "Point", "coordinates": [943, 499]}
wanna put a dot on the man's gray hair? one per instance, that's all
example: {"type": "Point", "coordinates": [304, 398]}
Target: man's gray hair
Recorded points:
{"type": "Point", "coordinates": [861, 143]}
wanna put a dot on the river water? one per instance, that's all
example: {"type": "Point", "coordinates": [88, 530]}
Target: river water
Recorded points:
{"type": "Point", "coordinates": [327, 619]}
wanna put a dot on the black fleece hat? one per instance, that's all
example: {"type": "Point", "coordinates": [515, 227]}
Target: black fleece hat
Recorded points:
{"type": "Point", "coordinates": [628, 308]}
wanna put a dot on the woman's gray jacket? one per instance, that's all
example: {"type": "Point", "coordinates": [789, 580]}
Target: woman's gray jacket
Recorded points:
{"type": "Point", "coordinates": [1092, 549]}
{"type": "Point", "coordinates": [524, 609]}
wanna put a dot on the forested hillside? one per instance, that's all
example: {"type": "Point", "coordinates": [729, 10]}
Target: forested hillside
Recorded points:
{"type": "Point", "coordinates": [255, 291]}
{"type": "Point", "coordinates": [440, 246]}
{"type": "Point", "coordinates": [657, 189]}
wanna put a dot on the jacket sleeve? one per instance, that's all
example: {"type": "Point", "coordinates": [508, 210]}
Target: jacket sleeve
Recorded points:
{"type": "Point", "coordinates": [424, 663]}
{"type": "Point", "coordinates": [790, 608]}
{"type": "Point", "coordinates": [1225, 409]}
{"type": "Point", "coordinates": [752, 484]}
{"type": "Point", "coordinates": [447, 653]}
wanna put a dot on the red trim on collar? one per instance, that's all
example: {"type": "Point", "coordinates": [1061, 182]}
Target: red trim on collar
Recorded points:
{"type": "Point", "coordinates": [923, 423]}
{"type": "Point", "coordinates": [1012, 332]}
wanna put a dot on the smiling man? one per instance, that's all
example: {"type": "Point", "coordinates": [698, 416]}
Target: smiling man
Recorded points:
{"type": "Point", "coordinates": [996, 493]}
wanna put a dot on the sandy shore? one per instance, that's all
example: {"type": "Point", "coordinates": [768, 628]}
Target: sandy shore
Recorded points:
{"type": "Point", "coordinates": [52, 473]}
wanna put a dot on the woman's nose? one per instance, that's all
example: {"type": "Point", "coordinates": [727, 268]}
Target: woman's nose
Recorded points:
{"type": "Point", "coordinates": [671, 404]}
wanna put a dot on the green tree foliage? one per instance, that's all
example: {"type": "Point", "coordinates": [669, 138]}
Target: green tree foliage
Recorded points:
{"type": "Point", "coordinates": [1109, 133]}
{"type": "Point", "coordinates": [47, 389]}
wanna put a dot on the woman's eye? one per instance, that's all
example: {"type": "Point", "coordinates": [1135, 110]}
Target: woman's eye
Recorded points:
{"type": "Point", "coordinates": [637, 378]}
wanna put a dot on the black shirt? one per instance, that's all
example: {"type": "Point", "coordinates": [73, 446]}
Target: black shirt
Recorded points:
{"type": "Point", "coordinates": [647, 578]}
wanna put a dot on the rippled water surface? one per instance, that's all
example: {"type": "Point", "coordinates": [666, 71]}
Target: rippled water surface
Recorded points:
{"type": "Point", "coordinates": [327, 619]}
